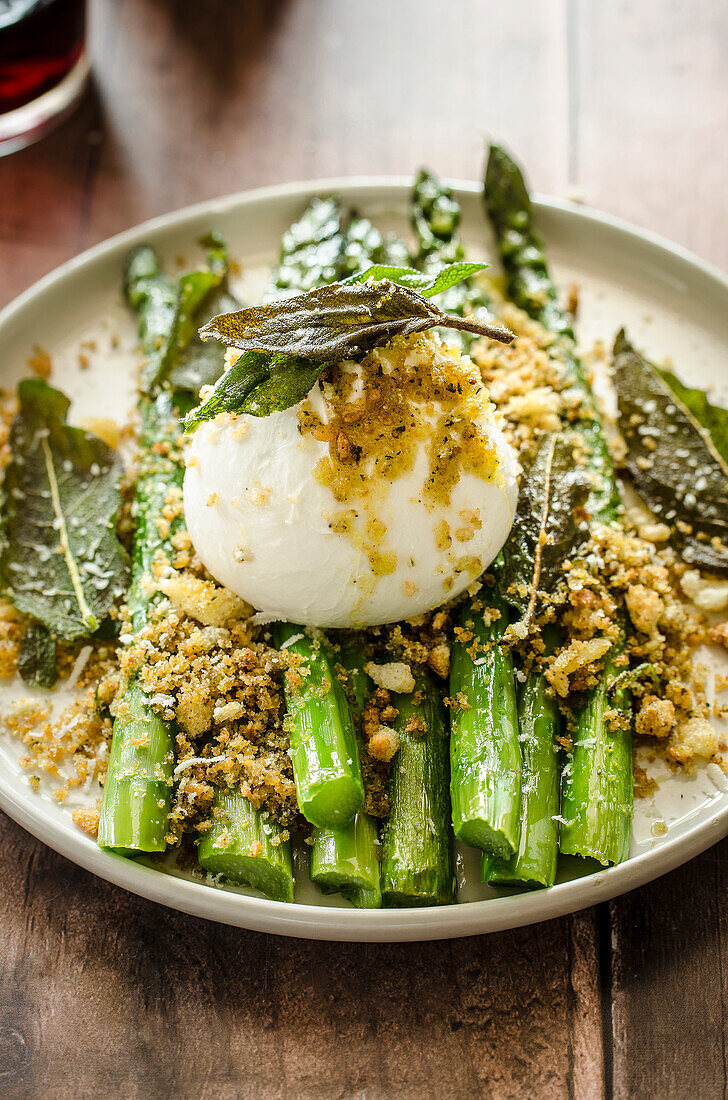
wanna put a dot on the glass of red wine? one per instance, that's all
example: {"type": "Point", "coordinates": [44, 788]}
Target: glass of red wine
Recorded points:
{"type": "Point", "coordinates": [43, 67]}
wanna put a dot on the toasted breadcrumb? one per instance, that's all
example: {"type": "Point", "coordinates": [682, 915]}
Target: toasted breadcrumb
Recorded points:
{"type": "Point", "coordinates": [655, 717]}
{"type": "Point", "coordinates": [383, 744]}
{"type": "Point", "coordinates": [87, 819]}
{"type": "Point", "coordinates": [203, 600]}
{"type": "Point", "coordinates": [705, 594]}
{"type": "Point", "coordinates": [696, 737]}
{"type": "Point", "coordinates": [574, 658]}
{"type": "Point", "coordinates": [40, 362]}
{"type": "Point", "coordinates": [394, 676]}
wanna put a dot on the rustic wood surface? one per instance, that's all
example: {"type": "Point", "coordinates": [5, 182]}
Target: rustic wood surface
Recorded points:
{"type": "Point", "coordinates": [102, 993]}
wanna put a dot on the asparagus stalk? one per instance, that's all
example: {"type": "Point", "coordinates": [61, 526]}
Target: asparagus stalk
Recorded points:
{"type": "Point", "coordinates": [435, 220]}
{"type": "Point", "coordinates": [485, 754]}
{"type": "Point", "coordinates": [597, 777]}
{"type": "Point", "coordinates": [324, 751]}
{"type": "Point", "coordinates": [417, 864]}
{"type": "Point", "coordinates": [485, 757]}
{"type": "Point", "coordinates": [534, 863]}
{"type": "Point", "coordinates": [137, 793]}
{"type": "Point", "coordinates": [346, 860]}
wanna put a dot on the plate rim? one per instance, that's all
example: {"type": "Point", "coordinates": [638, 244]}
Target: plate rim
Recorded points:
{"type": "Point", "coordinates": [328, 922]}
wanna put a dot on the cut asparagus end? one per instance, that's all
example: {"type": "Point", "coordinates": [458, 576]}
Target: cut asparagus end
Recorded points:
{"type": "Point", "coordinates": [345, 861]}
{"type": "Point", "coordinates": [138, 790]}
{"type": "Point", "coordinates": [333, 802]}
{"type": "Point", "coordinates": [239, 846]}
{"type": "Point", "coordinates": [412, 891]}
{"type": "Point", "coordinates": [512, 872]}
{"type": "Point", "coordinates": [495, 826]}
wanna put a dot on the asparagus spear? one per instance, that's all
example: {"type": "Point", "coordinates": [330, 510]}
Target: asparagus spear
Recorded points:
{"type": "Point", "coordinates": [485, 755]}
{"type": "Point", "coordinates": [416, 844]}
{"type": "Point", "coordinates": [597, 777]}
{"type": "Point", "coordinates": [312, 249]}
{"type": "Point", "coordinates": [325, 245]}
{"type": "Point", "coordinates": [534, 864]}
{"type": "Point", "coordinates": [346, 859]}
{"type": "Point", "coordinates": [435, 219]}
{"type": "Point", "coordinates": [137, 794]}
{"type": "Point", "coordinates": [324, 751]}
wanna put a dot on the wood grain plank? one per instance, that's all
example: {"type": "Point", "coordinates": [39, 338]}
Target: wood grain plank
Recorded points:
{"type": "Point", "coordinates": [669, 984]}
{"type": "Point", "coordinates": [141, 1001]}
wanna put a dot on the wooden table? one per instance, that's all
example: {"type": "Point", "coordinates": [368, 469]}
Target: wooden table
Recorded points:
{"type": "Point", "coordinates": [104, 994]}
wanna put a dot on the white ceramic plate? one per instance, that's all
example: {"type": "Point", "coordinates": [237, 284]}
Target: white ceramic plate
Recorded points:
{"type": "Point", "coordinates": [672, 303]}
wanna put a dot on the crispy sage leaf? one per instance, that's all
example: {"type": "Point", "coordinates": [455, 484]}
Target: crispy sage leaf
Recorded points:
{"type": "Point", "coordinates": [673, 463]}
{"type": "Point", "coordinates": [428, 284]}
{"type": "Point", "coordinates": [338, 322]}
{"type": "Point", "coordinates": [550, 523]}
{"type": "Point", "coordinates": [37, 658]}
{"type": "Point", "coordinates": [711, 417]}
{"type": "Point", "coordinates": [60, 561]}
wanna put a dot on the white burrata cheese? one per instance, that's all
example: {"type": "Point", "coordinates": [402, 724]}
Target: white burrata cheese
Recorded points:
{"type": "Point", "coordinates": [381, 496]}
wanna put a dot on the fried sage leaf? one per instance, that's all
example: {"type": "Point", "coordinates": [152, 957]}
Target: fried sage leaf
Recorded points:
{"type": "Point", "coordinates": [550, 524]}
{"type": "Point", "coordinates": [675, 466]}
{"type": "Point", "coordinates": [60, 561]}
{"type": "Point", "coordinates": [170, 314]}
{"type": "Point", "coordinates": [428, 284]}
{"type": "Point", "coordinates": [711, 417]}
{"type": "Point", "coordinates": [339, 321]}
{"type": "Point", "coordinates": [37, 657]}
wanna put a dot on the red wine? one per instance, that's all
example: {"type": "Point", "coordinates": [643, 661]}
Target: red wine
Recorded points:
{"type": "Point", "coordinates": [40, 41]}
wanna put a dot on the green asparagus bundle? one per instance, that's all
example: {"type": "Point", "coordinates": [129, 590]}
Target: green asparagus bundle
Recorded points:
{"type": "Point", "coordinates": [322, 246]}
{"type": "Point", "coordinates": [597, 777]}
{"type": "Point", "coordinates": [417, 864]}
{"type": "Point", "coordinates": [435, 220]}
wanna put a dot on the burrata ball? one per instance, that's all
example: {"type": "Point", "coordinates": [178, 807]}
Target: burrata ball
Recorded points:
{"type": "Point", "coordinates": [382, 495]}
